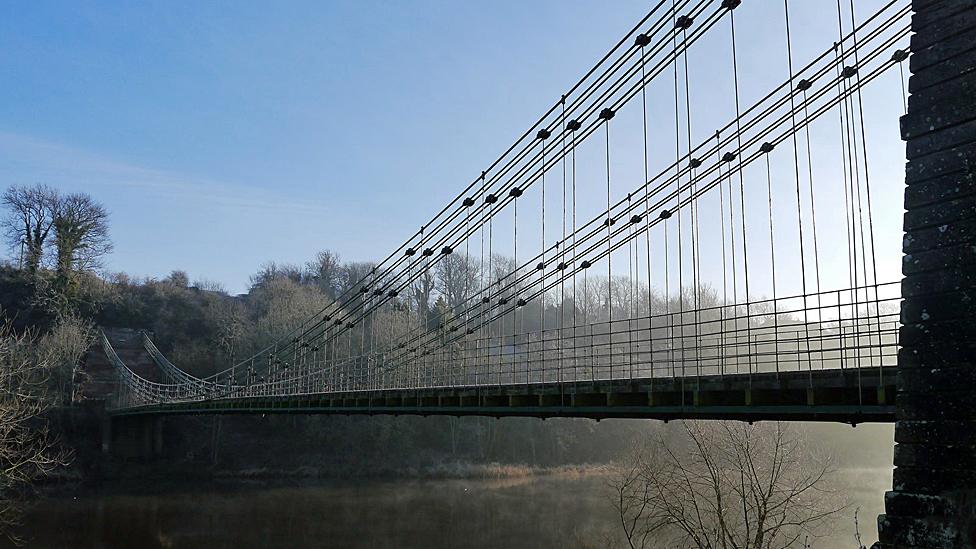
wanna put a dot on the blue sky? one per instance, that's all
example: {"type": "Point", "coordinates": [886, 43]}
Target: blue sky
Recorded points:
{"type": "Point", "coordinates": [222, 135]}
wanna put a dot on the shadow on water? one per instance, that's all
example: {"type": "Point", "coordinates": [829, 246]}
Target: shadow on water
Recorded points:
{"type": "Point", "coordinates": [548, 511]}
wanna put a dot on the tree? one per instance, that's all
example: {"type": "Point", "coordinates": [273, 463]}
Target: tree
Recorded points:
{"type": "Point", "coordinates": [725, 485]}
{"type": "Point", "coordinates": [80, 234]}
{"type": "Point", "coordinates": [327, 272]}
{"type": "Point", "coordinates": [61, 348]}
{"type": "Point", "coordinates": [30, 218]}
{"type": "Point", "coordinates": [356, 274]}
{"type": "Point", "coordinates": [231, 322]}
{"type": "Point", "coordinates": [282, 305]}
{"type": "Point", "coordinates": [420, 293]}
{"type": "Point", "coordinates": [178, 278]}
{"type": "Point", "coordinates": [272, 271]}
{"type": "Point", "coordinates": [457, 278]}
{"type": "Point", "coordinates": [28, 449]}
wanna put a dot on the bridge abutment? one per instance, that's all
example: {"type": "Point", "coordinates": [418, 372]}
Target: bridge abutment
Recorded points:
{"type": "Point", "coordinates": [133, 437]}
{"type": "Point", "coordinates": [933, 499]}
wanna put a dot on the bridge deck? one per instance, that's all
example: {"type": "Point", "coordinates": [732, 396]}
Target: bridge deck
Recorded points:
{"type": "Point", "coordinates": [848, 396]}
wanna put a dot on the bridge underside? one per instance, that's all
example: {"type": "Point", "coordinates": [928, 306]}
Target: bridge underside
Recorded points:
{"type": "Point", "coordinates": [847, 396]}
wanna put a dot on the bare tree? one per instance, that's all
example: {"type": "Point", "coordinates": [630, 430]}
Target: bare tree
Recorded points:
{"type": "Point", "coordinates": [725, 485]}
{"type": "Point", "coordinates": [61, 348]}
{"type": "Point", "coordinates": [209, 285]}
{"type": "Point", "coordinates": [231, 324]}
{"type": "Point", "coordinates": [327, 272]}
{"type": "Point", "coordinates": [272, 271]}
{"type": "Point", "coordinates": [28, 449]}
{"type": "Point", "coordinates": [80, 233]}
{"type": "Point", "coordinates": [590, 299]}
{"type": "Point", "coordinates": [421, 290]}
{"type": "Point", "coordinates": [178, 278]}
{"type": "Point", "coordinates": [29, 220]}
{"type": "Point", "coordinates": [456, 278]}
{"type": "Point", "coordinates": [355, 274]}
{"type": "Point", "coordinates": [282, 305]}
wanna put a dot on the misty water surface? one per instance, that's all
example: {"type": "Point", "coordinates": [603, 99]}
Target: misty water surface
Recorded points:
{"type": "Point", "coordinates": [543, 511]}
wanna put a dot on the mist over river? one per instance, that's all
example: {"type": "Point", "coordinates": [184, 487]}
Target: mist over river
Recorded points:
{"type": "Point", "coordinates": [538, 511]}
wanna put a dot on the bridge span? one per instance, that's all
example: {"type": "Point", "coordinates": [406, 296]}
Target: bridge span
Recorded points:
{"type": "Point", "coordinates": [838, 394]}
{"type": "Point", "coordinates": [825, 395]}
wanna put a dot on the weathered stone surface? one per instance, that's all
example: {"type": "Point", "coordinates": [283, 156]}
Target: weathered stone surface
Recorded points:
{"type": "Point", "coordinates": [941, 404]}
{"type": "Point", "coordinates": [936, 352]}
{"type": "Point", "coordinates": [936, 282]}
{"type": "Point", "coordinates": [933, 478]}
{"type": "Point", "coordinates": [956, 90]}
{"type": "Point", "coordinates": [952, 136]}
{"type": "Point", "coordinates": [922, 455]}
{"type": "Point", "coordinates": [934, 111]}
{"type": "Point", "coordinates": [939, 307]}
{"type": "Point", "coordinates": [941, 213]}
{"type": "Point", "coordinates": [935, 29]}
{"type": "Point", "coordinates": [948, 234]}
{"type": "Point", "coordinates": [937, 12]}
{"type": "Point", "coordinates": [959, 256]}
{"type": "Point", "coordinates": [948, 187]}
{"type": "Point", "coordinates": [923, 332]}
{"type": "Point", "coordinates": [933, 55]}
{"type": "Point", "coordinates": [961, 433]}
{"type": "Point", "coordinates": [905, 532]}
{"type": "Point", "coordinates": [953, 379]}
{"type": "Point", "coordinates": [906, 504]}
{"type": "Point", "coordinates": [944, 71]}
{"type": "Point", "coordinates": [961, 158]}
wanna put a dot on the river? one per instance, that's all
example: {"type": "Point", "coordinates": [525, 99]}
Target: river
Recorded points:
{"type": "Point", "coordinates": [558, 511]}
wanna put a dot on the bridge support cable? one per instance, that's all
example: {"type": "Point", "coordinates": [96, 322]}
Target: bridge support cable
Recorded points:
{"type": "Point", "coordinates": [561, 308]}
{"type": "Point", "coordinates": [575, 87]}
{"type": "Point", "coordinates": [854, 191]}
{"type": "Point", "coordinates": [731, 4]}
{"type": "Point", "coordinates": [813, 211]}
{"type": "Point", "coordinates": [424, 354]}
{"type": "Point", "coordinates": [541, 267]}
{"type": "Point", "coordinates": [642, 41]}
{"type": "Point", "coordinates": [680, 23]}
{"type": "Point", "coordinates": [573, 126]}
{"type": "Point", "coordinates": [821, 109]}
{"type": "Point", "coordinates": [608, 114]}
{"type": "Point", "coordinates": [693, 164]}
{"type": "Point", "coordinates": [767, 149]}
{"type": "Point", "coordinates": [725, 284]}
{"type": "Point", "coordinates": [516, 299]}
{"type": "Point", "coordinates": [867, 177]}
{"type": "Point", "coordinates": [408, 250]}
{"type": "Point", "coordinates": [585, 93]}
{"type": "Point", "coordinates": [796, 168]}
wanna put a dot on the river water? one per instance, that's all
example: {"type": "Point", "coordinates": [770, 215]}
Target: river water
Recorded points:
{"type": "Point", "coordinates": [564, 510]}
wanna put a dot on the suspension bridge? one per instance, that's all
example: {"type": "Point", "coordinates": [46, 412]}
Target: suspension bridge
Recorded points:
{"type": "Point", "coordinates": [701, 289]}
{"type": "Point", "coordinates": [707, 224]}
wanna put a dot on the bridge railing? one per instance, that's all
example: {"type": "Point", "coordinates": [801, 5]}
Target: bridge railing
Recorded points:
{"type": "Point", "coordinates": [847, 332]}
{"type": "Point", "coordinates": [759, 338]}
{"type": "Point", "coordinates": [175, 375]}
{"type": "Point", "coordinates": [850, 330]}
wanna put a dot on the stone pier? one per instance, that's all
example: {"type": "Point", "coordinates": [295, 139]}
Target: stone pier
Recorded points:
{"type": "Point", "coordinates": [933, 500]}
